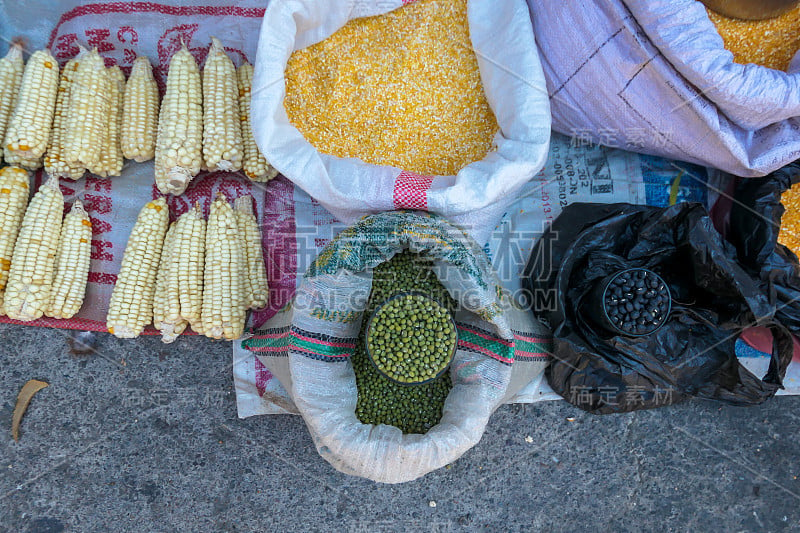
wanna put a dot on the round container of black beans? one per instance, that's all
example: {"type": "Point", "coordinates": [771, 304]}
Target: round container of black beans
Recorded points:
{"type": "Point", "coordinates": [633, 302]}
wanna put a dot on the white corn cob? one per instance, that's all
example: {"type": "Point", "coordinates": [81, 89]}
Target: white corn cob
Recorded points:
{"type": "Point", "coordinates": [13, 200]}
{"type": "Point", "coordinates": [166, 303]}
{"type": "Point", "coordinates": [72, 264]}
{"type": "Point", "coordinates": [140, 113]}
{"type": "Point", "coordinates": [111, 156]}
{"type": "Point", "coordinates": [33, 264]}
{"type": "Point", "coordinates": [254, 164]}
{"type": "Point", "coordinates": [131, 307]}
{"type": "Point", "coordinates": [11, 67]}
{"type": "Point", "coordinates": [222, 129]}
{"type": "Point", "coordinates": [28, 132]}
{"type": "Point", "coordinates": [190, 253]}
{"type": "Point", "coordinates": [54, 163]}
{"type": "Point", "coordinates": [256, 271]}
{"type": "Point", "coordinates": [88, 112]}
{"type": "Point", "coordinates": [31, 163]}
{"type": "Point", "coordinates": [224, 306]}
{"type": "Point", "coordinates": [179, 146]}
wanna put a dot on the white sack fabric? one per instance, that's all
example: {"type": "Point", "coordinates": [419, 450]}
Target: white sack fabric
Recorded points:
{"type": "Point", "coordinates": [511, 72]}
{"type": "Point", "coordinates": [309, 345]}
{"type": "Point", "coordinates": [653, 76]}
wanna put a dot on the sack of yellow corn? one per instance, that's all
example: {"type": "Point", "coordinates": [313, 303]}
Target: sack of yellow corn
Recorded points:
{"type": "Point", "coordinates": [346, 104]}
{"type": "Point", "coordinates": [660, 77]}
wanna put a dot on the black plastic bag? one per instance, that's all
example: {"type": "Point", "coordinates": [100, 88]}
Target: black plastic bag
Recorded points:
{"type": "Point", "coordinates": [692, 355]}
{"type": "Point", "coordinates": [753, 227]}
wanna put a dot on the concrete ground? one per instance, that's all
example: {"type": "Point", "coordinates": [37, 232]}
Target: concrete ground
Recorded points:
{"type": "Point", "coordinates": [144, 437]}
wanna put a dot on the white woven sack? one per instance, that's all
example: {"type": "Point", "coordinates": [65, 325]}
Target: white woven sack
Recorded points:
{"type": "Point", "coordinates": [308, 346]}
{"type": "Point", "coordinates": [653, 76]}
{"type": "Point", "coordinates": [511, 72]}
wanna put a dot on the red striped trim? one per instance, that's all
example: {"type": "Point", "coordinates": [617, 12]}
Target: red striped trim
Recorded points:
{"type": "Point", "coordinates": [72, 323]}
{"type": "Point", "coordinates": [271, 335]}
{"type": "Point", "coordinates": [411, 191]}
{"type": "Point", "coordinates": [531, 355]}
{"type": "Point", "coordinates": [534, 340]}
{"type": "Point", "coordinates": [77, 324]}
{"type": "Point", "coordinates": [296, 348]}
{"type": "Point", "coordinates": [152, 7]}
{"type": "Point", "coordinates": [488, 337]}
{"type": "Point", "coordinates": [269, 349]}
{"type": "Point", "coordinates": [324, 343]}
{"type": "Point", "coordinates": [484, 351]}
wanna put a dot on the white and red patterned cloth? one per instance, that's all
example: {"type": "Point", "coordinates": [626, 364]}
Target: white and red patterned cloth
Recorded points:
{"type": "Point", "coordinates": [121, 31]}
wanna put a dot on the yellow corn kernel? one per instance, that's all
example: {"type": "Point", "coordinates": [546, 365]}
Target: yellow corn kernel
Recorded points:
{"type": "Point", "coordinates": [11, 67]}
{"type": "Point", "coordinates": [54, 163]}
{"type": "Point", "coordinates": [13, 200]}
{"type": "Point", "coordinates": [110, 163]}
{"type": "Point", "coordinates": [224, 306]}
{"type": "Point", "coordinates": [254, 164]}
{"type": "Point", "coordinates": [72, 264]}
{"type": "Point", "coordinates": [166, 305]}
{"type": "Point", "coordinates": [131, 307]}
{"type": "Point", "coordinates": [390, 90]}
{"type": "Point", "coordinates": [30, 280]}
{"type": "Point", "coordinates": [28, 132]}
{"type": "Point", "coordinates": [179, 145]}
{"type": "Point", "coordinates": [190, 252]}
{"type": "Point", "coordinates": [140, 113]}
{"type": "Point", "coordinates": [770, 43]}
{"type": "Point", "coordinates": [258, 294]}
{"type": "Point", "coordinates": [88, 112]}
{"type": "Point", "coordinates": [222, 130]}
{"type": "Point", "coordinates": [789, 235]}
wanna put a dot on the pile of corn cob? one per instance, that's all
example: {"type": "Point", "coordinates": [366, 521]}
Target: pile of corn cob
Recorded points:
{"type": "Point", "coordinates": [44, 261]}
{"type": "Point", "coordinates": [87, 117]}
{"type": "Point", "coordinates": [191, 272]}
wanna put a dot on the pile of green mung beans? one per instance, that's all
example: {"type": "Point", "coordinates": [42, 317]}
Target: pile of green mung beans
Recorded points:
{"type": "Point", "coordinates": [411, 338]}
{"type": "Point", "coordinates": [412, 408]}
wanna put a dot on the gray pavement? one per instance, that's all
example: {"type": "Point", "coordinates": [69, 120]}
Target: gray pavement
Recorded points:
{"type": "Point", "coordinates": [144, 437]}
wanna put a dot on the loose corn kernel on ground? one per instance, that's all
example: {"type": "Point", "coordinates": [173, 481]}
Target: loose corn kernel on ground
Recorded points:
{"type": "Point", "coordinates": [789, 235]}
{"type": "Point", "coordinates": [770, 43]}
{"type": "Point", "coordinates": [400, 89]}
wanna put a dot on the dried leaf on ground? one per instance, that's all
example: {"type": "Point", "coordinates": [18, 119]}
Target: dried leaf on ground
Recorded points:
{"type": "Point", "coordinates": [23, 400]}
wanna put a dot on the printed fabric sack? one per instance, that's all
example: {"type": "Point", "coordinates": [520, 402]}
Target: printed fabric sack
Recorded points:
{"type": "Point", "coordinates": [653, 76]}
{"type": "Point", "coordinates": [349, 188]}
{"type": "Point", "coordinates": [693, 354]}
{"type": "Point", "coordinates": [308, 346]}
